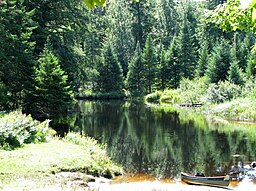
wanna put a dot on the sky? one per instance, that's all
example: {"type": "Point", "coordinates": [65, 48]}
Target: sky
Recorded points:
{"type": "Point", "coordinates": [245, 3]}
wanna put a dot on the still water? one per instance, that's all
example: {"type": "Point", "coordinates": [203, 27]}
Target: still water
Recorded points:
{"type": "Point", "coordinates": [163, 142]}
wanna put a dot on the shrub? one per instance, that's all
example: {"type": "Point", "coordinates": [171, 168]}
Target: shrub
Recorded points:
{"type": "Point", "coordinates": [193, 91]}
{"type": "Point", "coordinates": [171, 97]}
{"type": "Point", "coordinates": [223, 91]}
{"type": "Point", "coordinates": [17, 129]}
{"type": "Point", "coordinates": [154, 97]}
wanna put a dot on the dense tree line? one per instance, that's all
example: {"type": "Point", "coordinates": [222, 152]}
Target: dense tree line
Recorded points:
{"type": "Point", "coordinates": [51, 49]}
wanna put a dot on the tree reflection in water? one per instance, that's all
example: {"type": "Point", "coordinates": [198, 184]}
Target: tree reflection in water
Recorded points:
{"type": "Point", "coordinates": [161, 142]}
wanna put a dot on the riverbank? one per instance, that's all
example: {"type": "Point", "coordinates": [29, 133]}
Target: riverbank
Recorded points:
{"type": "Point", "coordinates": [68, 164]}
{"type": "Point", "coordinates": [64, 165]}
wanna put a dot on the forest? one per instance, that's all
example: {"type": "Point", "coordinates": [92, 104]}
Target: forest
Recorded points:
{"type": "Point", "coordinates": [53, 51]}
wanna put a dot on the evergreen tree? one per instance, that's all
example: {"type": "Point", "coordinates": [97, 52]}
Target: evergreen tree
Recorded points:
{"type": "Point", "coordinates": [174, 63]}
{"type": "Point", "coordinates": [64, 24]}
{"type": "Point", "coordinates": [52, 95]}
{"type": "Point", "coordinates": [211, 4]}
{"type": "Point", "coordinates": [203, 60]}
{"type": "Point", "coordinates": [251, 65]}
{"type": "Point", "coordinates": [110, 72]}
{"type": "Point", "coordinates": [234, 74]}
{"type": "Point", "coordinates": [149, 64]}
{"type": "Point", "coordinates": [219, 63]}
{"type": "Point", "coordinates": [120, 31]}
{"type": "Point", "coordinates": [134, 80]}
{"type": "Point", "coordinates": [143, 12]}
{"type": "Point", "coordinates": [16, 60]}
{"type": "Point", "coordinates": [188, 41]}
{"type": "Point", "coordinates": [163, 70]}
{"type": "Point", "coordinates": [167, 19]}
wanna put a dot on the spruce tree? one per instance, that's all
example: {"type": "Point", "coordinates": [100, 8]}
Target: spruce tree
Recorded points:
{"type": "Point", "coordinates": [188, 41]}
{"type": "Point", "coordinates": [134, 80]}
{"type": "Point", "coordinates": [251, 66]}
{"type": "Point", "coordinates": [149, 64]}
{"type": "Point", "coordinates": [110, 71]}
{"type": "Point", "coordinates": [234, 74]}
{"type": "Point", "coordinates": [16, 47]}
{"type": "Point", "coordinates": [163, 73]}
{"type": "Point", "coordinates": [219, 63]}
{"type": "Point", "coordinates": [120, 31]}
{"type": "Point", "coordinates": [203, 60]}
{"type": "Point", "coordinates": [174, 63]}
{"type": "Point", "coordinates": [52, 95]}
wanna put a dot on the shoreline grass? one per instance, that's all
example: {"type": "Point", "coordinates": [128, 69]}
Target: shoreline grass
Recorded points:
{"type": "Point", "coordinates": [57, 163]}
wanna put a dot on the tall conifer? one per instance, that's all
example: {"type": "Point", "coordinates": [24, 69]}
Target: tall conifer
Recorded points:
{"type": "Point", "coordinates": [134, 80]}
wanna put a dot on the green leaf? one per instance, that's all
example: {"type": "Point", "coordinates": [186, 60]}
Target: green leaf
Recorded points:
{"type": "Point", "coordinates": [253, 4]}
{"type": "Point", "coordinates": [253, 15]}
{"type": "Point", "coordinates": [91, 3]}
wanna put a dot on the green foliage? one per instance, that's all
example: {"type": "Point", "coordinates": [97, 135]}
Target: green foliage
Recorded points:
{"type": "Point", "coordinates": [134, 80]}
{"type": "Point", "coordinates": [52, 95]}
{"type": "Point", "coordinates": [203, 60]}
{"type": "Point", "coordinates": [251, 65]}
{"type": "Point", "coordinates": [231, 16]}
{"type": "Point", "coordinates": [110, 72]}
{"type": "Point", "coordinates": [173, 69]}
{"type": "Point", "coordinates": [187, 42]}
{"type": "Point", "coordinates": [235, 75]}
{"type": "Point", "coordinates": [16, 61]}
{"type": "Point", "coordinates": [17, 129]}
{"type": "Point", "coordinates": [149, 64]}
{"type": "Point", "coordinates": [193, 91]}
{"type": "Point", "coordinates": [153, 97]}
{"type": "Point", "coordinates": [93, 3]}
{"type": "Point", "coordinates": [3, 96]}
{"type": "Point", "coordinates": [223, 91]}
{"type": "Point", "coordinates": [218, 65]}
{"type": "Point", "coordinates": [171, 97]}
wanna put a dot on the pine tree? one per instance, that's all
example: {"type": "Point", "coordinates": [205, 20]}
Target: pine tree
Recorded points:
{"type": "Point", "coordinates": [234, 73]}
{"type": "Point", "coordinates": [174, 63]}
{"type": "Point", "coordinates": [163, 73]}
{"type": "Point", "coordinates": [167, 18]}
{"type": "Point", "coordinates": [188, 42]}
{"type": "Point", "coordinates": [134, 80]}
{"type": "Point", "coordinates": [251, 65]}
{"type": "Point", "coordinates": [219, 63]}
{"type": "Point", "coordinates": [149, 64]}
{"type": "Point", "coordinates": [203, 60]}
{"type": "Point", "coordinates": [110, 72]}
{"type": "Point", "coordinates": [16, 60]}
{"type": "Point", "coordinates": [52, 95]}
{"type": "Point", "coordinates": [120, 31]}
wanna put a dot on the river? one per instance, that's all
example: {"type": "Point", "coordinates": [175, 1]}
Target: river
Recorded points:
{"type": "Point", "coordinates": [163, 142]}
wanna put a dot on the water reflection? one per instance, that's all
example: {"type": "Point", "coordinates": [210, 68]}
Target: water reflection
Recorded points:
{"type": "Point", "coordinates": [160, 142]}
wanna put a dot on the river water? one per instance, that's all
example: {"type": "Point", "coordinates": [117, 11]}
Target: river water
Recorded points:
{"type": "Point", "coordinates": [163, 142]}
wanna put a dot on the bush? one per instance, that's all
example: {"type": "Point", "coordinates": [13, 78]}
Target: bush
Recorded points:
{"type": "Point", "coordinates": [223, 91]}
{"type": "Point", "coordinates": [154, 97]}
{"type": "Point", "coordinates": [193, 91]}
{"type": "Point", "coordinates": [171, 97]}
{"type": "Point", "coordinates": [17, 129]}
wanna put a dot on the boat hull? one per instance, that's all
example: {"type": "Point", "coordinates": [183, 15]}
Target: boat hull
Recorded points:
{"type": "Point", "coordinates": [218, 181]}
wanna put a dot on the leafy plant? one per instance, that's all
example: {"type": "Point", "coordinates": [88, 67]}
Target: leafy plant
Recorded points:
{"type": "Point", "coordinates": [154, 97]}
{"type": "Point", "coordinates": [17, 129]}
{"type": "Point", "coordinates": [223, 91]}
